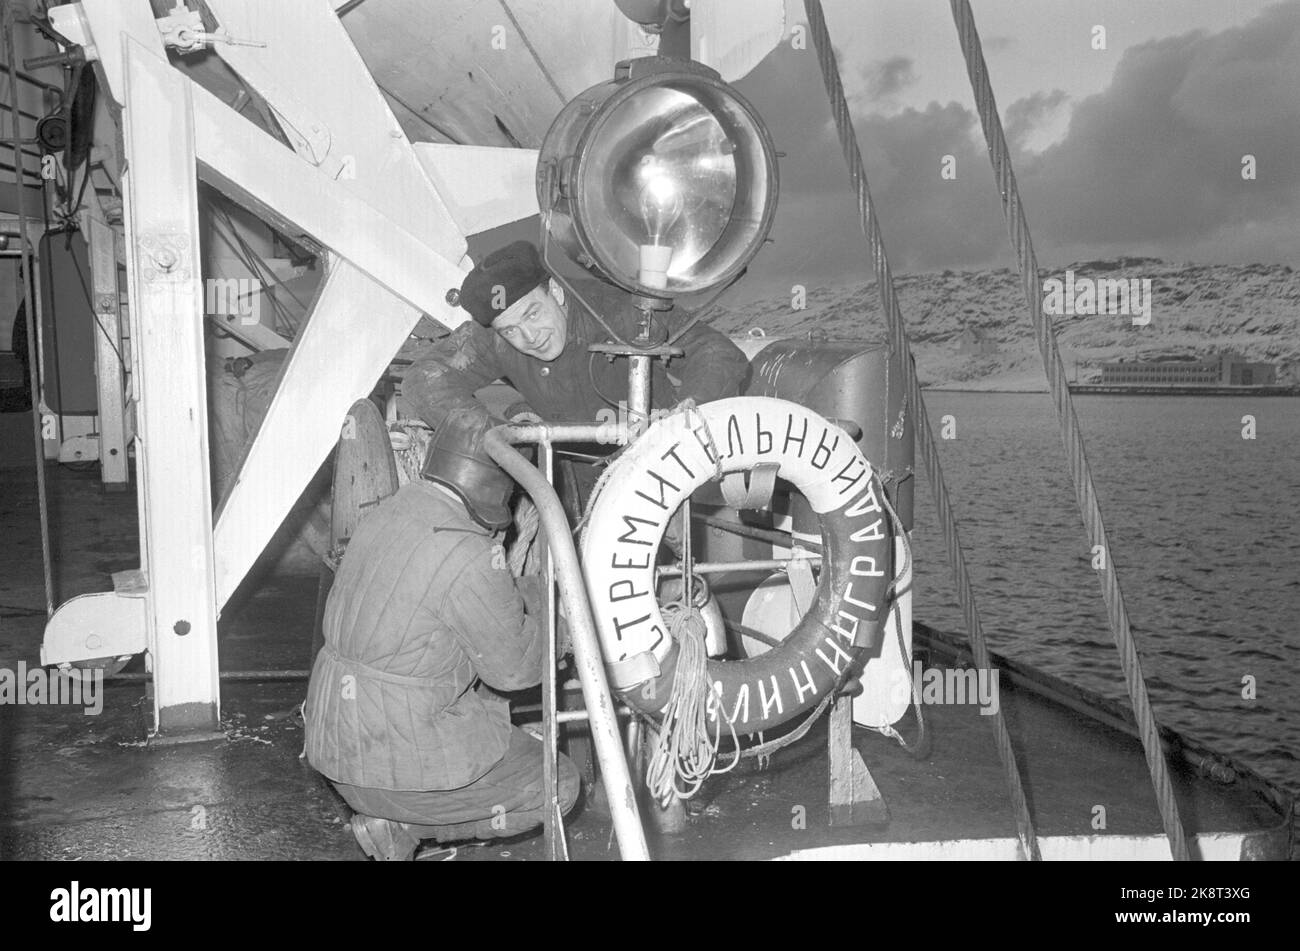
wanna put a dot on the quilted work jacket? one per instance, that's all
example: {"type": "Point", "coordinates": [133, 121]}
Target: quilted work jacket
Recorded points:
{"type": "Point", "coordinates": [421, 608]}
{"type": "Point", "coordinates": [576, 386]}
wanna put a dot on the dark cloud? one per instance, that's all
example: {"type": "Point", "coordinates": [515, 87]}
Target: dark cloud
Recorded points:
{"type": "Point", "coordinates": [875, 83]}
{"type": "Point", "coordinates": [1025, 115]}
{"type": "Point", "coordinates": [928, 221]}
{"type": "Point", "coordinates": [1157, 157]}
{"type": "Point", "coordinates": [1151, 165]}
{"type": "Point", "coordinates": [887, 78]}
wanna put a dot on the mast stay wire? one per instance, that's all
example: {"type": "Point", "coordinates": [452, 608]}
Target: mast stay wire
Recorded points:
{"type": "Point", "coordinates": [1080, 473]}
{"type": "Point", "coordinates": [925, 438]}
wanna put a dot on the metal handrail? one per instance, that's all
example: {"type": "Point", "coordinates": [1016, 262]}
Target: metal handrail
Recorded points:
{"type": "Point", "coordinates": [587, 654]}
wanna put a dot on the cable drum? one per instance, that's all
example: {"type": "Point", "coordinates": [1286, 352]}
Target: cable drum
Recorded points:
{"type": "Point", "coordinates": [644, 487]}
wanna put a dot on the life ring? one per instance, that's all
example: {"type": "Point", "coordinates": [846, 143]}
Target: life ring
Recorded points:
{"type": "Point", "coordinates": [644, 487]}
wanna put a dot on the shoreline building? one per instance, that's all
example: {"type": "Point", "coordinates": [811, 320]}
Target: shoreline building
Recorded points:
{"type": "Point", "coordinates": [1227, 369]}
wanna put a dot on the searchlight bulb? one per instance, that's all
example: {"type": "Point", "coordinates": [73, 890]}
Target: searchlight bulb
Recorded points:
{"type": "Point", "coordinates": [661, 206]}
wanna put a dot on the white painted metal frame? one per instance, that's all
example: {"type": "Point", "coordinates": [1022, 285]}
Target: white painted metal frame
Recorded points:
{"type": "Point", "coordinates": [355, 184]}
{"type": "Point", "coordinates": [161, 199]}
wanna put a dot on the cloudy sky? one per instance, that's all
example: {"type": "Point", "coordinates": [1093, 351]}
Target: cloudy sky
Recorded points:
{"type": "Point", "coordinates": [1132, 150]}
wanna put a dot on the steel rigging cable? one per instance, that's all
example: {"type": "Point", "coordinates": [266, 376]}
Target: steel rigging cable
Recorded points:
{"type": "Point", "coordinates": [925, 438]}
{"type": "Point", "coordinates": [1013, 210]}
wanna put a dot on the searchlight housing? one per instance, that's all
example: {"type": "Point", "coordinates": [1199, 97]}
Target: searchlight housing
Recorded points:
{"type": "Point", "coordinates": [662, 181]}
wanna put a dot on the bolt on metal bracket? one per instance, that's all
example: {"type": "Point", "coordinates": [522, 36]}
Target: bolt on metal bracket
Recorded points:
{"type": "Point", "coordinates": [166, 258]}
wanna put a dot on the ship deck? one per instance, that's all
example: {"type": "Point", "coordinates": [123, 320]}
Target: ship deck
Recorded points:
{"type": "Point", "coordinates": [82, 787]}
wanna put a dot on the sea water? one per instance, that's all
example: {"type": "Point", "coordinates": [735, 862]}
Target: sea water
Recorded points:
{"type": "Point", "coordinates": [1204, 523]}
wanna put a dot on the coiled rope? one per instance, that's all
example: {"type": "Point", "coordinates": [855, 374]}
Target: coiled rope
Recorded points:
{"type": "Point", "coordinates": [1080, 473]}
{"type": "Point", "coordinates": [898, 342]}
{"type": "Point", "coordinates": [685, 749]}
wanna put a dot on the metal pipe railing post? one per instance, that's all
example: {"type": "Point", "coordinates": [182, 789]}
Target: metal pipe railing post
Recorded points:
{"type": "Point", "coordinates": [638, 395]}
{"type": "Point", "coordinates": [553, 826]}
{"type": "Point", "coordinates": [587, 655]}
{"type": "Point", "coordinates": [30, 309]}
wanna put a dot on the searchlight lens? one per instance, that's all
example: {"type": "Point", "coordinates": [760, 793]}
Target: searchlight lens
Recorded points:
{"type": "Point", "coordinates": [663, 181]}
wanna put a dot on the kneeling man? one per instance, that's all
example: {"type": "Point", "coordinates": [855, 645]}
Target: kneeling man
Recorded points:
{"type": "Point", "coordinates": [423, 613]}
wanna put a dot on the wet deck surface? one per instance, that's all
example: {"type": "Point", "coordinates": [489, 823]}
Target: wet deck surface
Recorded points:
{"type": "Point", "coordinates": [89, 787]}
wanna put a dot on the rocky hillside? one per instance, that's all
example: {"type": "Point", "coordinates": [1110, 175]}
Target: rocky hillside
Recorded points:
{"type": "Point", "coordinates": [1196, 311]}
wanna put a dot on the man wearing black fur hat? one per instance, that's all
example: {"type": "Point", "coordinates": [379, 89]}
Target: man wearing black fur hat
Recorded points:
{"type": "Point", "coordinates": [527, 330]}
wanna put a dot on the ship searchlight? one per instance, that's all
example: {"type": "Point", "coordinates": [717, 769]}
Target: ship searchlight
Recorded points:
{"type": "Point", "coordinates": [663, 180]}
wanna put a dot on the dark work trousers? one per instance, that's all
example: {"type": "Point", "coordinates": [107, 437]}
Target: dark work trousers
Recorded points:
{"type": "Point", "coordinates": [507, 800]}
